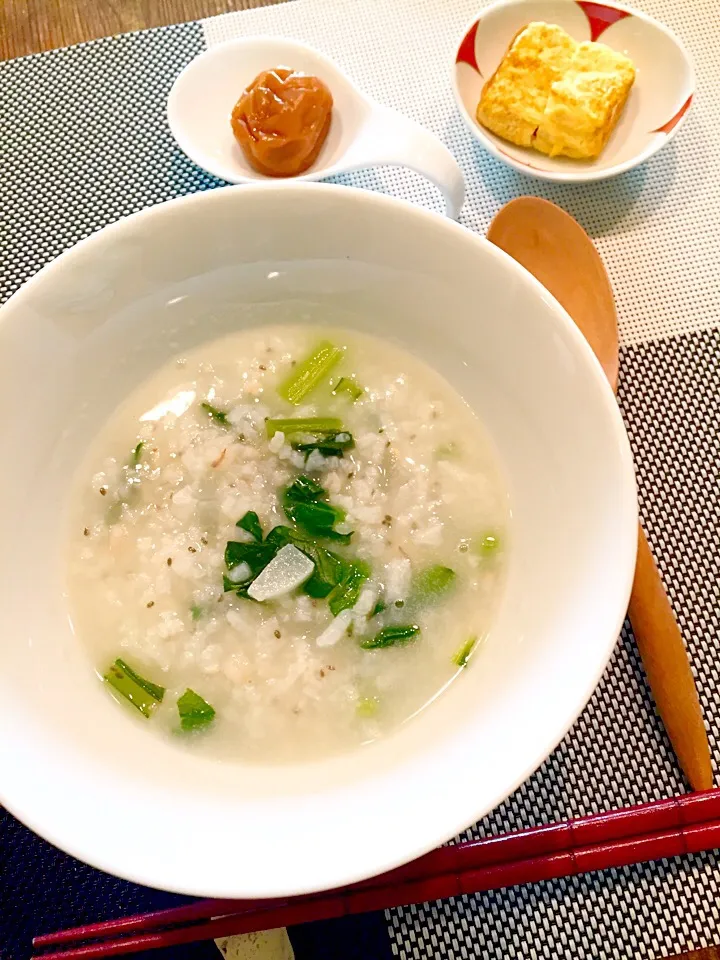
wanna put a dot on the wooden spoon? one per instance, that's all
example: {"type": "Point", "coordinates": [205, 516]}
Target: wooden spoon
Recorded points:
{"type": "Point", "coordinates": [556, 250]}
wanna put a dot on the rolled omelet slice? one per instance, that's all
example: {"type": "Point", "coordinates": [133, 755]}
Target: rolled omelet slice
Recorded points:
{"type": "Point", "coordinates": [586, 103]}
{"type": "Point", "coordinates": [555, 95]}
{"type": "Point", "coordinates": [513, 100]}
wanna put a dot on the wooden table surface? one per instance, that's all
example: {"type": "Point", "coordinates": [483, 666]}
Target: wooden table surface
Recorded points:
{"type": "Point", "coordinates": [31, 26]}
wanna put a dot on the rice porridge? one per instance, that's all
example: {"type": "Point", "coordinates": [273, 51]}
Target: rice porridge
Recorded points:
{"type": "Point", "coordinates": [286, 543]}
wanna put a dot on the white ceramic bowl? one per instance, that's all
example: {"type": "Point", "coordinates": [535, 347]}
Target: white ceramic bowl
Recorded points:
{"type": "Point", "coordinates": [657, 105]}
{"type": "Point", "coordinates": [94, 324]}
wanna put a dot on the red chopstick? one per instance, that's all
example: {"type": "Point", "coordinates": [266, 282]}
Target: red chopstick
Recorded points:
{"type": "Point", "coordinates": [666, 828]}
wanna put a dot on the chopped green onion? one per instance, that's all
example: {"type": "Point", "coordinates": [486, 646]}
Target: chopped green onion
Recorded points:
{"type": "Point", "coordinates": [219, 416]}
{"type": "Point", "coordinates": [196, 612]}
{"type": "Point", "coordinates": [293, 425]}
{"type": "Point", "coordinates": [350, 386]}
{"type": "Point", "coordinates": [390, 636]}
{"type": "Point", "coordinates": [137, 453]}
{"type": "Point", "coordinates": [310, 373]}
{"type": "Point", "coordinates": [194, 711]}
{"type": "Point", "coordinates": [432, 582]}
{"type": "Point", "coordinates": [367, 707]}
{"type": "Point", "coordinates": [143, 694]}
{"type": "Point", "coordinates": [250, 522]}
{"type": "Point", "coordinates": [330, 445]}
{"type": "Point", "coordinates": [378, 608]}
{"type": "Point", "coordinates": [345, 594]}
{"type": "Point", "coordinates": [463, 655]}
{"type": "Point", "coordinates": [488, 545]}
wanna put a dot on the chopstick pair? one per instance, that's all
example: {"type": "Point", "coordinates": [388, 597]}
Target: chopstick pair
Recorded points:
{"type": "Point", "coordinates": [666, 828]}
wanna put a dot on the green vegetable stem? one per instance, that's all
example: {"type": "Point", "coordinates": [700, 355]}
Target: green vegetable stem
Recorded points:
{"type": "Point", "coordinates": [310, 373]}
{"type": "Point", "coordinates": [391, 636]}
{"type": "Point", "coordinates": [349, 386]}
{"type": "Point", "coordinates": [143, 694]}
{"type": "Point", "coordinates": [463, 655]}
{"type": "Point", "coordinates": [219, 416]}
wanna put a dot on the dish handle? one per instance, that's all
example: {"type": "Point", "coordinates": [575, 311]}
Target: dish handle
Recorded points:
{"type": "Point", "coordinates": [390, 138]}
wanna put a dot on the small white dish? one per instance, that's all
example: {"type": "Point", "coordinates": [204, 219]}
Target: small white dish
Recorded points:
{"type": "Point", "coordinates": [657, 105]}
{"type": "Point", "coordinates": [362, 134]}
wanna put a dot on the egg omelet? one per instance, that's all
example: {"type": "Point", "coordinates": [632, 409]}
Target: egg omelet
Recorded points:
{"type": "Point", "coordinates": [556, 95]}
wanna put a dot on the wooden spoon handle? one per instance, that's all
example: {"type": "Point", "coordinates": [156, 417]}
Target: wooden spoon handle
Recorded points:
{"type": "Point", "coordinates": [668, 669]}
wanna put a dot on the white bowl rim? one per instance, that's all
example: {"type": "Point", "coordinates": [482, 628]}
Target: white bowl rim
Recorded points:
{"type": "Point", "coordinates": [581, 175]}
{"type": "Point", "coordinates": [443, 831]}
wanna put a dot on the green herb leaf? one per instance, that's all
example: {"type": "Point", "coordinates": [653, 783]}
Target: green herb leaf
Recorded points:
{"type": "Point", "coordinates": [317, 518]}
{"type": "Point", "coordinates": [378, 608]}
{"type": "Point", "coordinates": [194, 711]}
{"type": "Point", "coordinates": [137, 453]}
{"type": "Point", "coordinates": [304, 504]}
{"type": "Point", "coordinates": [432, 583]}
{"type": "Point", "coordinates": [219, 416]}
{"type": "Point", "coordinates": [390, 637]}
{"type": "Point", "coordinates": [349, 386]}
{"type": "Point", "coordinates": [143, 694]}
{"type": "Point", "coordinates": [304, 490]}
{"type": "Point", "coordinates": [256, 555]}
{"type": "Point", "coordinates": [316, 587]}
{"type": "Point", "coordinates": [328, 445]}
{"type": "Point", "coordinates": [316, 426]}
{"type": "Point", "coordinates": [463, 655]}
{"type": "Point", "coordinates": [329, 571]}
{"type": "Point", "coordinates": [345, 594]}
{"type": "Point", "coordinates": [196, 611]}
{"type": "Point", "coordinates": [310, 373]}
{"type": "Point", "coordinates": [251, 523]}
{"type": "Point", "coordinates": [280, 536]}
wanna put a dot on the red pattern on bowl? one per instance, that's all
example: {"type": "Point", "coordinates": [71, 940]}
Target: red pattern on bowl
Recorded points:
{"type": "Point", "coordinates": [671, 124]}
{"type": "Point", "coordinates": [601, 16]}
{"type": "Point", "coordinates": [466, 50]}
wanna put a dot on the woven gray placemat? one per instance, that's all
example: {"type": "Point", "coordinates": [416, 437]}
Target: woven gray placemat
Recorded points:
{"type": "Point", "coordinates": [106, 152]}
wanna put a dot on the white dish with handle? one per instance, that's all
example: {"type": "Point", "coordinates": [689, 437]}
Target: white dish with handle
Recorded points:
{"type": "Point", "coordinates": [362, 133]}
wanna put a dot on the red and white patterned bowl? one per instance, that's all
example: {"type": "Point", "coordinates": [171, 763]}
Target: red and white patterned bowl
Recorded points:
{"type": "Point", "coordinates": [657, 105]}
